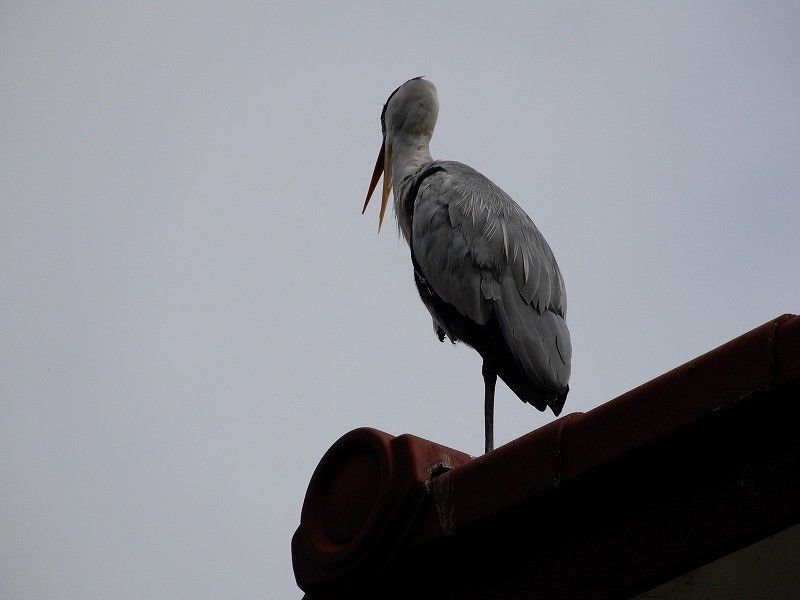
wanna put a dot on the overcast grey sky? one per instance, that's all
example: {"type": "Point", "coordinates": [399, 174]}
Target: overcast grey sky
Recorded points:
{"type": "Point", "coordinates": [192, 308]}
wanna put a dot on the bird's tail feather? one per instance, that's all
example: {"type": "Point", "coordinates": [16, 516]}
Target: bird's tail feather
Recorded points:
{"type": "Point", "coordinates": [540, 346]}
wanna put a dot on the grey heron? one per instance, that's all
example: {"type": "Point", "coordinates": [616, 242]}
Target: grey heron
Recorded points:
{"type": "Point", "coordinates": [485, 273]}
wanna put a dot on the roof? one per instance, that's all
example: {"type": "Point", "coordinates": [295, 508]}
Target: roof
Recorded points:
{"type": "Point", "coordinates": [677, 472]}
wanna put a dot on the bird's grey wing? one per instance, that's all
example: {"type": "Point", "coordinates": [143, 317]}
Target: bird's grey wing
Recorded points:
{"type": "Point", "coordinates": [480, 252]}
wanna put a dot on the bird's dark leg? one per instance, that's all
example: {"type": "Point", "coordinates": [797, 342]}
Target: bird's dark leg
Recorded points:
{"type": "Point", "coordinates": [489, 380]}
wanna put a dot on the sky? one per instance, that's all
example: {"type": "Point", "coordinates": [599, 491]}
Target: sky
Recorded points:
{"type": "Point", "coordinates": [193, 309]}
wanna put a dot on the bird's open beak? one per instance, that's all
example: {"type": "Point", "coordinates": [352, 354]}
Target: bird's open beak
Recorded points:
{"type": "Point", "coordinates": [382, 165]}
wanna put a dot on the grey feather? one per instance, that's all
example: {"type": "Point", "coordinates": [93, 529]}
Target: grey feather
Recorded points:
{"type": "Point", "coordinates": [482, 254]}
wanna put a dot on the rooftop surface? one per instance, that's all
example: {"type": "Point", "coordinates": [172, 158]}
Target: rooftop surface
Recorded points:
{"type": "Point", "coordinates": [680, 471]}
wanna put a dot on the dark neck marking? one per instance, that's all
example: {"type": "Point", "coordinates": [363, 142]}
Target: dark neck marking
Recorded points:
{"type": "Point", "coordinates": [411, 195]}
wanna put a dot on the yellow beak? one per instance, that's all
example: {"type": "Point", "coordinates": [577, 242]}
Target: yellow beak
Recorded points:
{"type": "Point", "coordinates": [382, 165]}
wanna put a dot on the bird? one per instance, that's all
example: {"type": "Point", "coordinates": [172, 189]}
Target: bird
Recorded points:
{"type": "Point", "coordinates": [481, 267]}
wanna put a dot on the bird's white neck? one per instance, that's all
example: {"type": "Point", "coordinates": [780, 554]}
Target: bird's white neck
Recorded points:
{"type": "Point", "coordinates": [409, 153]}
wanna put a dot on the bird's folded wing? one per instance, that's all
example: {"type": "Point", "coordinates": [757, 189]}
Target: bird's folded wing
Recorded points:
{"type": "Point", "coordinates": [480, 252]}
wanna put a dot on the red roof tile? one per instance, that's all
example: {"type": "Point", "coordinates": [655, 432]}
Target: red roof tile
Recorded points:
{"type": "Point", "coordinates": [379, 507]}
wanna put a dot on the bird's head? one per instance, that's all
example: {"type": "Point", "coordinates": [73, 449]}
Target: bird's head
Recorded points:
{"type": "Point", "coordinates": [409, 117]}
